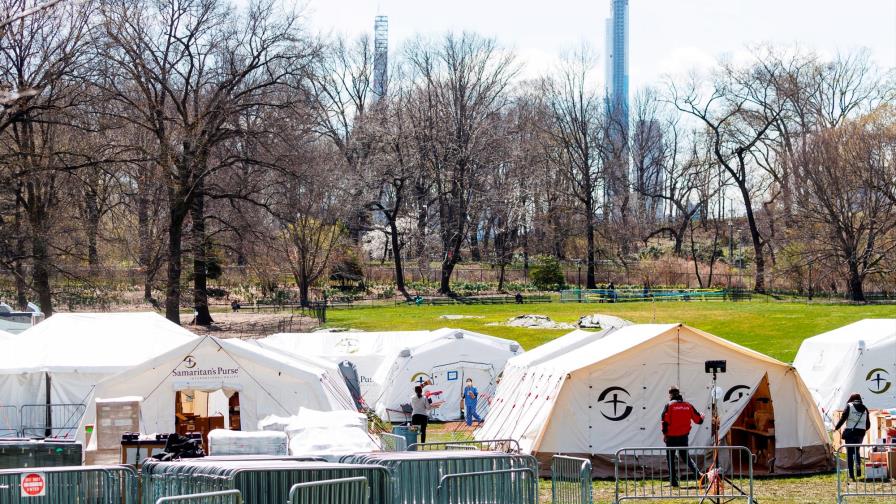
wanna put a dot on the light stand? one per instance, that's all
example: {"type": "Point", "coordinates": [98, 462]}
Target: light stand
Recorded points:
{"type": "Point", "coordinates": [714, 479]}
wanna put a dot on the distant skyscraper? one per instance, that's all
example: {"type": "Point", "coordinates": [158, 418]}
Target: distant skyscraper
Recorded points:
{"type": "Point", "coordinates": [380, 56]}
{"type": "Point", "coordinates": [617, 174]}
{"type": "Point", "coordinates": [617, 58]}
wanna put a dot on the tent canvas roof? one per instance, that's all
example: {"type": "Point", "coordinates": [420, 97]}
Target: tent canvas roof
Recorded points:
{"type": "Point", "coordinates": [346, 343]}
{"type": "Point", "coordinates": [91, 342]}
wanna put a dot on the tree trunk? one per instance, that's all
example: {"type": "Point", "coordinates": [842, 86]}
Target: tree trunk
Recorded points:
{"type": "Point", "coordinates": [856, 289]}
{"type": "Point", "coordinates": [175, 253]}
{"type": "Point", "coordinates": [19, 266]}
{"type": "Point", "coordinates": [302, 280]}
{"type": "Point", "coordinates": [475, 254]}
{"type": "Point", "coordinates": [145, 244]}
{"type": "Point", "coordinates": [590, 280]}
{"type": "Point", "coordinates": [200, 256]}
{"type": "Point", "coordinates": [396, 258]}
{"type": "Point", "coordinates": [92, 217]}
{"type": "Point", "coordinates": [501, 277]}
{"type": "Point", "coordinates": [40, 272]}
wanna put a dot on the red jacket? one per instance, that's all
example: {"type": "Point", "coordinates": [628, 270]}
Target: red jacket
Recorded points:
{"type": "Point", "coordinates": [677, 417]}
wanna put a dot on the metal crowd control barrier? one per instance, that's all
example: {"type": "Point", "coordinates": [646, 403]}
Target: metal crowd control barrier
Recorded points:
{"type": "Point", "coordinates": [9, 422]}
{"type": "Point", "coordinates": [506, 486]}
{"type": "Point", "coordinates": [498, 445]}
{"type": "Point", "coordinates": [59, 421]}
{"type": "Point", "coordinates": [83, 484]}
{"type": "Point", "coordinates": [416, 474]}
{"type": "Point", "coordinates": [460, 447]}
{"type": "Point", "coordinates": [877, 485]}
{"type": "Point", "coordinates": [391, 442]}
{"type": "Point", "coordinates": [704, 473]}
{"type": "Point", "coordinates": [570, 480]}
{"type": "Point", "coordinates": [338, 491]}
{"type": "Point", "coordinates": [260, 481]}
{"type": "Point", "coordinates": [225, 497]}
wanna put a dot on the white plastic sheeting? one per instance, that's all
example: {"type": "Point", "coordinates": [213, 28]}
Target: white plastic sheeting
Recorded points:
{"type": "Point", "coordinates": [228, 442]}
{"type": "Point", "coordinates": [856, 358]}
{"type": "Point", "coordinates": [328, 434]}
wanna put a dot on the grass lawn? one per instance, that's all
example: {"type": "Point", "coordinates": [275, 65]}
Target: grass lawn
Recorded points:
{"type": "Point", "coordinates": [773, 328]}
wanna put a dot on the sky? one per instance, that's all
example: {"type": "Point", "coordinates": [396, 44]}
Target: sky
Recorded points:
{"type": "Point", "coordinates": [666, 36]}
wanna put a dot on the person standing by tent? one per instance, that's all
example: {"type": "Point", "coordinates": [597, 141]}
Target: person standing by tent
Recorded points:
{"type": "Point", "coordinates": [471, 400]}
{"type": "Point", "coordinates": [420, 407]}
{"type": "Point", "coordinates": [855, 417]}
{"type": "Point", "coordinates": [676, 421]}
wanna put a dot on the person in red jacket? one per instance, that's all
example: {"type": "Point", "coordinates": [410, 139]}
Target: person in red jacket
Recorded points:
{"type": "Point", "coordinates": [676, 419]}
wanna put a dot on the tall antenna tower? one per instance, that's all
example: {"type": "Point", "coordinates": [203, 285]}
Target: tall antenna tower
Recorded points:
{"type": "Point", "coordinates": [380, 55]}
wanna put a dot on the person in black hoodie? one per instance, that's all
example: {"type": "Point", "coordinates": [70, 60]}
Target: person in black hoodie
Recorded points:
{"type": "Point", "coordinates": [855, 418]}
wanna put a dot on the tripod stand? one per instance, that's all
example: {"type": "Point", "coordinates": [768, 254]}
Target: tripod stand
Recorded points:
{"type": "Point", "coordinates": [714, 480]}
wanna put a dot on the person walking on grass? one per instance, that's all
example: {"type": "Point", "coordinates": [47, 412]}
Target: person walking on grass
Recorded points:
{"type": "Point", "coordinates": [855, 418]}
{"type": "Point", "coordinates": [676, 421]}
{"type": "Point", "coordinates": [471, 401]}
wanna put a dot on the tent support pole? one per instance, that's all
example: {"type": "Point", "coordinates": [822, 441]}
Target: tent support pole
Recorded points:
{"type": "Point", "coordinates": [48, 432]}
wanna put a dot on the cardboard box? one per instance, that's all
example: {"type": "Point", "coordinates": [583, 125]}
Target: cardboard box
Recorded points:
{"type": "Point", "coordinates": [102, 457]}
{"type": "Point", "coordinates": [115, 417]}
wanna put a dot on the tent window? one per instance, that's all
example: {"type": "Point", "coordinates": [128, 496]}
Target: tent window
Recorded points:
{"type": "Point", "coordinates": [755, 428]}
{"type": "Point", "coordinates": [202, 411]}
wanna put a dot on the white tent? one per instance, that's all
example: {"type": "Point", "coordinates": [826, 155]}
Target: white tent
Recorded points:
{"type": "Point", "coordinates": [600, 396]}
{"type": "Point", "coordinates": [268, 382]}
{"type": "Point", "coordinates": [447, 361]}
{"type": "Point", "coordinates": [73, 351]}
{"type": "Point", "coordinates": [368, 351]}
{"type": "Point", "coordinates": [856, 358]}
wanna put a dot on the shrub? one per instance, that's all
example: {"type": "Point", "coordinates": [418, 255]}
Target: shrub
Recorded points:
{"type": "Point", "coordinates": [547, 274]}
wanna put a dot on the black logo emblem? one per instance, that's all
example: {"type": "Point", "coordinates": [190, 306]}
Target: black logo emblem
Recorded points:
{"type": "Point", "coordinates": [878, 380]}
{"type": "Point", "coordinates": [190, 362]}
{"type": "Point", "coordinates": [736, 393]}
{"type": "Point", "coordinates": [610, 398]}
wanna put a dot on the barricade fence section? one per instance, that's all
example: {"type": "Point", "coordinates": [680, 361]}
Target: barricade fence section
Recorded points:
{"type": "Point", "coordinates": [58, 421]}
{"type": "Point", "coordinates": [392, 442]}
{"type": "Point", "coordinates": [224, 497]}
{"type": "Point", "coordinates": [697, 472]}
{"type": "Point", "coordinates": [570, 480]}
{"type": "Point", "coordinates": [493, 445]}
{"type": "Point", "coordinates": [416, 474]}
{"type": "Point", "coordinates": [338, 491]}
{"type": "Point", "coordinates": [80, 484]}
{"type": "Point", "coordinates": [260, 481]}
{"type": "Point", "coordinates": [507, 486]}
{"type": "Point", "coordinates": [871, 479]}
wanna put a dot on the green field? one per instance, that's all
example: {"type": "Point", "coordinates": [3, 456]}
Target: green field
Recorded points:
{"type": "Point", "coordinates": [773, 328]}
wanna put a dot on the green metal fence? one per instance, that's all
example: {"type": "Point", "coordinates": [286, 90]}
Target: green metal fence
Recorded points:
{"type": "Point", "coordinates": [570, 480]}
{"type": "Point", "coordinates": [80, 484]}
{"type": "Point", "coordinates": [338, 491]}
{"type": "Point", "coordinates": [505, 486]}
{"type": "Point", "coordinates": [224, 497]}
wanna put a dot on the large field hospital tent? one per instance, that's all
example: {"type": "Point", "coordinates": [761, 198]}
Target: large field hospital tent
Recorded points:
{"type": "Point", "coordinates": [857, 358]}
{"type": "Point", "coordinates": [367, 351]}
{"type": "Point", "coordinates": [267, 383]}
{"type": "Point", "coordinates": [446, 361]}
{"type": "Point", "coordinates": [609, 393]}
{"type": "Point", "coordinates": [72, 352]}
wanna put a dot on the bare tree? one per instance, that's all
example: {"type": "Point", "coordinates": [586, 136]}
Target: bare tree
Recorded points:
{"type": "Point", "coordinates": [459, 84]}
{"type": "Point", "coordinates": [576, 133]}
{"type": "Point", "coordinates": [183, 71]}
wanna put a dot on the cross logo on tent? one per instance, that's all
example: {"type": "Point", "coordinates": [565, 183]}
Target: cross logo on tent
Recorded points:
{"type": "Point", "coordinates": [878, 381]}
{"type": "Point", "coordinates": [420, 378]}
{"type": "Point", "coordinates": [616, 402]}
{"type": "Point", "coordinates": [190, 361]}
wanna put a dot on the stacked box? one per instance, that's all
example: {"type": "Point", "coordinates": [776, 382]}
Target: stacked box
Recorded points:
{"type": "Point", "coordinates": [114, 417]}
{"type": "Point", "coordinates": [227, 442]}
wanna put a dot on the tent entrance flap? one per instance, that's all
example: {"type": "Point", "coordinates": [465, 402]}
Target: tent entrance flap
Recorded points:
{"type": "Point", "coordinates": [448, 382]}
{"type": "Point", "coordinates": [755, 427]}
{"type": "Point", "coordinates": [202, 411]}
